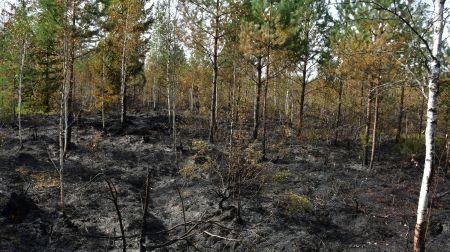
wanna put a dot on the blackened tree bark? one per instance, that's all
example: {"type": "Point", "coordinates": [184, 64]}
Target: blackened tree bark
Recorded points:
{"type": "Point", "coordinates": [400, 115]}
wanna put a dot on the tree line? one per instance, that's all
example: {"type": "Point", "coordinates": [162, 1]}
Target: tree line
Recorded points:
{"type": "Point", "coordinates": [355, 72]}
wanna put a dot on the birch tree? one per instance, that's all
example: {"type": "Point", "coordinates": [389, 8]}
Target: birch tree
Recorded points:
{"type": "Point", "coordinates": [23, 35]}
{"type": "Point", "coordinates": [433, 89]}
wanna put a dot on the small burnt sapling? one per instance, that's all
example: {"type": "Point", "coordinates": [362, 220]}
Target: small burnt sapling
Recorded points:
{"type": "Point", "coordinates": [114, 198]}
{"type": "Point", "coordinates": [145, 212]}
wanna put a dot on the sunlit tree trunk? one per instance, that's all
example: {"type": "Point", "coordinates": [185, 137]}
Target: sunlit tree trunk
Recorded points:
{"type": "Point", "coordinates": [433, 89]}
{"type": "Point", "coordinates": [286, 101]}
{"type": "Point", "coordinates": [103, 94]}
{"type": "Point", "coordinates": [233, 104]}
{"type": "Point", "coordinates": [68, 131]}
{"type": "Point", "coordinates": [375, 129]}
{"type": "Point", "coordinates": [213, 120]}
{"type": "Point", "coordinates": [123, 72]}
{"type": "Point", "coordinates": [64, 106]}
{"type": "Point", "coordinates": [266, 87]}
{"type": "Point", "coordinates": [19, 100]}
{"type": "Point", "coordinates": [338, 116]}
{"type": "Point", "coordinates": [191, 97]}
{"type": "Point", "coordinates": [257, 100]}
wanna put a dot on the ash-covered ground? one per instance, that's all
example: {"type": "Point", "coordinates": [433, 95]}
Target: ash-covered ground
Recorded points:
{"type": "Point", "coordinates": [349, 208]}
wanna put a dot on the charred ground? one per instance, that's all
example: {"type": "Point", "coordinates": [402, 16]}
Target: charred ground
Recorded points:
{"type": "Point", "coordinates": [348, 208]}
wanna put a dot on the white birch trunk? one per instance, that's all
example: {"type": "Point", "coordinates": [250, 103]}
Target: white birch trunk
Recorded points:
{"type": "Point", "coordinates": [433, 86]}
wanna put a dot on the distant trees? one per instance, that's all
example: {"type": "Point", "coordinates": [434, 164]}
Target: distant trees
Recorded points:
{"type": "Point", "coordinates": [128, 21]}
{"type": "Point", "coordinates": [207, 22]}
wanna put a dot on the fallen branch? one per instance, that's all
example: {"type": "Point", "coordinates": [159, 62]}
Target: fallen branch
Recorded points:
{"type": "Point", "coordinates": [441, 194]}
{"type": "Point", "coordinates": [220, 237]}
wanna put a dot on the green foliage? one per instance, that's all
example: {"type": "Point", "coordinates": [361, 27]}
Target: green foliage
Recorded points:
{"type": "Point", "coordinates": [201, 148]}
{"type": "Point", "coordinates": [411, 146]}
{"type": "Point", "coordinates": [204, 160]}
{"type": "Point", "coordinates": [296, 203]}
{"type": "Point", "coordinates": [415, 145]}
{"type": "Point", "coordinates": [281, 175]}
{"type": "Point", "coordinates": [209, 164]}
{"type": "Point", "coordinates": [281, 153]}
{"type": "Point", "coordinates": [188, 171]}
{"type": "Point", "coordinates": [253, 154]}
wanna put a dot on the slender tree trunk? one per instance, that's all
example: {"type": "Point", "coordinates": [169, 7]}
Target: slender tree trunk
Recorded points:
{"type": "Point", "coordinates": [286, 102]}
{"type": "Point", "coordinates": [400, 115]}
{"type": "Point", "coordinates": [266, 86]}
{"type": "Point", "coordinates": [169, 111]}
{"type": "Point", "coordinates": [47, 81]}
{"type": "Point", "coordinates": [368, 123]}
{"type": "Point", "coordinates": [302, 101]}
{"type": "Point", "coordinates": [145, 213]}
{"type": "Point", "coordinates": [13, 107]}
{"type": "Point", "coordinates": [257, 99]}
{"type": "Point", "coordinates": [338, 116]}
{"type": "Point", "coordinates": [68, 131]}
{"type": "Point", "coordinates": [433, 89]}
{"type": "Point", "coordinates": [374, 130]}
{"type": "Point", "coordinates": [103, 94]}
{"type": "Point", "coordinates": [115, 199]}
{"type": "Point", "coordinates": [447, 154]}
{"type": "Point", "coordinates": [19, 100]}
{"type": "Point", "coordinates": [64, 110]}
{"type": "Point", "coordinates": [169, 100]}
{"type": "Point", "coordinates": [213, 121]}
{"type": "Point", "coordinates": [154, 86]}
{"type": "Point", "coordinates": [174, 121]}
{"type": "Point", "coordinates": [123, 72]}
{"type": "Point", "coordinates": [233, 101]}
{"type": "Point", "coordinates": [361, 105]}
{"type": "Point", "coordinates": [422, 109]}
{"type": "Point", "coordinates": [191, 97]}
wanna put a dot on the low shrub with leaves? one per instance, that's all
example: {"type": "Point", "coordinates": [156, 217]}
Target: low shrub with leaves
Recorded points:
{"type": "Point", "coordinates": [204, 161]}
{"type": "Point", "coordinates": [253, 154]}
{"type": "Point", "coordinates": [281, 175]}
{"type": "Point", "coordinates": [281, 153]}
{"type": "Point", "coordinates": [411, 146]}
{"type": "Point", "coordinates": [201, 148]}
{"type": "Point", "coordinates": [294, 203]}
{"type": "Point", "coordinates": [188, 171]}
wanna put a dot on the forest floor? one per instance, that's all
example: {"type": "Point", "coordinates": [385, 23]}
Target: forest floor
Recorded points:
{"type": "Point", "coordinates": [352, 209]}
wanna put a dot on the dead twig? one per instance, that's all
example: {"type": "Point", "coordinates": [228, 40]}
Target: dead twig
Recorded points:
{"type": "Point", "coordinates": [114, 199]}
{"type": "Point", "coordinates": [220, 237]}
